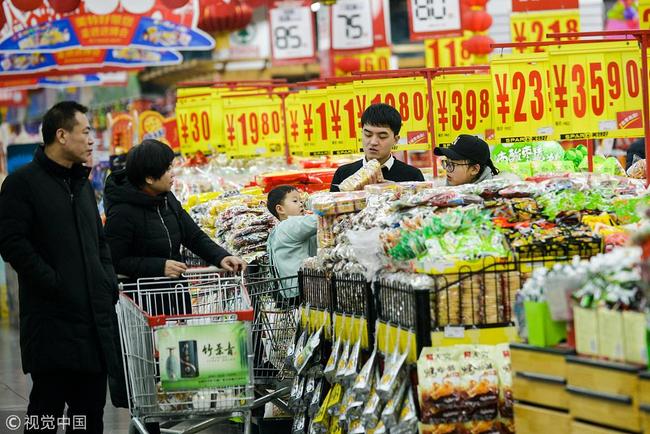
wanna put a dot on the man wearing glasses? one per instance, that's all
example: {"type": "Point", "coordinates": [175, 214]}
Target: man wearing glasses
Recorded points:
{"type": "Point", "coordinates": [381, 125]}
{"type": "Point", "coordinates": [467, 161]}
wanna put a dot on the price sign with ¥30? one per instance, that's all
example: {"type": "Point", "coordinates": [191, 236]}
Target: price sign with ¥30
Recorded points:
{"type": "Point", "coordinates": [534, 26]}
{"type": "Point", "coordinates": [521, 107]}
{"type": "Point", "coordinates": [409, 97]}
{"type": "Point", "coordinates": [462, 105]}
{"type": "Point", "coordinates": [596, 90]}
{"type": "Point", "coordinates": [445, 52]}
{"type": "Point", "coordinates": [194, 120]}
{"type": "Point", "coordinates": [255, 124]}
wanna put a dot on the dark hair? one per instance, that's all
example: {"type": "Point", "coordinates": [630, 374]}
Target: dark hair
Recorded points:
{"type": "Point", "coordinates": [61, 115]}
{"type": "Point", "coordinates": [482, 166]}
{"type": "Point", "coordinates": [277, 196]}
{"type": "Point", "coordinates": [151, 158]}
{"type": "Point", "coordinates": [382, 115]}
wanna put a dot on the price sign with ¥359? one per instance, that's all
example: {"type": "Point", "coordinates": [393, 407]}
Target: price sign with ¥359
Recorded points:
{"type": "Point", "coordinates": [596, 90]}
{"type": "Point", "coordinates": [521, 107]}
{"type": "Point", "coordinates": [409, 97]}
{"type": "Point", "coordinates": [534, 26]}
{"type": "Point", "coordinates": [445, 52]}
{"type": "Point", "coordinates": [255, 124]}
{"type": "Point", "coordinates": [462, 105]}
{"type": "Point", "coordinates": [194, 120]}
{"type": "Point", "coordinates": [292, 32]}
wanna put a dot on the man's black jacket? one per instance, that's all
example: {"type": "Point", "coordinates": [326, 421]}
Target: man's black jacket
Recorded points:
{"type": "Point", "coordinates": [400, 172]}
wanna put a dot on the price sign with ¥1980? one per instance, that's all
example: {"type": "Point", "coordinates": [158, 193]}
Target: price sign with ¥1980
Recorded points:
{"type": "Point", "coordinates": [462, 105]}
{"type": "Point", "coordinates": [445, 52]}
{"type": "Point", "coordinates": [352, 27]}
{"type": "Point", "coordinates": [430, 18]}
{"type": "Point", "coordinates": [194, 120]}
{"type": "Point", "coordinates": [520, 98]}
{"type": "Point", "coordinates": [292, 32]}
{"type": "Point", "coordinates": [596, 90]}
{"type": "Point", "coordinates": [255, 124]}
{"type": "Point", "coordinates": [409, 97]}
{"type": "Point", "coordinates": [534, 26]}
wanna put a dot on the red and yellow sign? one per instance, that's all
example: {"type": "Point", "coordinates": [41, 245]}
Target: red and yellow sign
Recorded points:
{"type": "Point", "coordinates": [376, 60]}
{"type": "Point", "coordinates": [533, 27]}
{"type": "Point", "coordinates": [462, 104]}
{"type": "Point", "coordinates": [644, 14]}
{"type": "Point", "coordinates": [344, 110]}
{"type": "Point", "coordinates": [196, 130]}
{"type": "Point", "coordinates": [445, 52]}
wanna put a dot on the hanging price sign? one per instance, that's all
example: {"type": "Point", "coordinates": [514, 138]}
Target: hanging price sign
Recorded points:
{"type": "Point", "coordinates": [351, 25]}
{"type": "Point", "coordinates": [194, 120]}
{"type": "Point", "coordinates": [596, 90]}
{"type": "Point", "coordinates": [254, 123]}
{"type": "Point", "coordinates": [292, 33]}
{"type": "Point", "coordinates": [462, 105]}
{"type": "Point", "coordinates": [520, 98]}
{"type": "Point", "coordinates": [376, 60]}
{"type": "Point", "coordinates": [409, 97]}
{"type": "Point", "coordinates": [313, 120]}
{"type": "Point", "coordinates": [343, 119]}
{"type": "Point", "coordinates": [293, 125]}
{"type": "Point", "coordinates": [430, 18]}
{"type": "Point", "coordinates": [445, 52]}
{"type": "Point", "coordinates": [533, 27]}
{"type": "Point", "coordinates": [644, 14]}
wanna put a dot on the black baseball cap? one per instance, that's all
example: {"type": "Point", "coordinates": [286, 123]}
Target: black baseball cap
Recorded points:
{"type": "Point", "coordinates": [466, 147]}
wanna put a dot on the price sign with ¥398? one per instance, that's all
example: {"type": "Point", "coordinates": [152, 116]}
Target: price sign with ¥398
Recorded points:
{"type": "Point", "coordinates": [520, 90]}
{"type": "Point", "coordinates": [194, 120]}
{"type": "Point", "coordinates": [409, 97]}
{"type": "Point", "coordinates": [534, 26]}
{"type": "Point", "coordinates": [255, 124]}
{"type": "Point", "coordinates": [462, 105]}
{"type": "Point", "coordinates": [445, 52]}
{"type": "Point", "coordinates": [596, 90]}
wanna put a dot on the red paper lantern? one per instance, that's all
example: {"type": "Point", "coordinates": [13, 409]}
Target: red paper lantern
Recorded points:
{"type": "Point", "coordinates": [218, 16]}
{"type": "Point", "coordinates": [477, 21]}
{"type": "Point", "coordinates": [349, 64]}
{"type": "Point", "coordinates": [64, 6]}
{"type": "Point", "coordinates": [475, 3]}
{"type": "Point", "coordinates": [479, 45]}
{"type": "Point", "coordinates": [174, 4]}
{"type": "Point", "coordinates": [27, 5]}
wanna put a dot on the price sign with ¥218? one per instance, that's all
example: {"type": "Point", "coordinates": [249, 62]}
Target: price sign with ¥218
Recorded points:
{"type": "Point", "coordinates": [352, 27]}
{"type": "Point", "coordinates": [429, 18]}
{"type": "Point", "coordinates": [292, 32]}
{"type": "Point", "coordinates": [533, 27]}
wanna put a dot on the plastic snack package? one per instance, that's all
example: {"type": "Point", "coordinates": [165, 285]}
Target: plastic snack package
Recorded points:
{"type": "Point", "coordinates": [638, 169]}
{"type": "Point", "coordinates": [352, 366]}
{"type": "Point", "coordinates": [389, 381]}
{"type": "Point", "coordinates": [307, 352]}
{"type": "Point", "coordinates": [295, 397]}
{"type": "Point", "coordinates": [408, 419]}
{"type": "Point", "coordinates": [314, 403]}
{"type": "Point", "coordinates": [299, 424]}
{"type": "Point", "coordinates": [439, 376]}
{"type": "Point", "coordinates": [342, 364]}
{"type": "Point", "coordinates": [330, 368]}
{"type": "Point", "coordinates": [480, 383]}
{"type": "Point", "coordinates": [363, 382]}
{"type": "Point", "coordinates": [390, 414]}
{"type": "Point", "coordinates": [369, 173]}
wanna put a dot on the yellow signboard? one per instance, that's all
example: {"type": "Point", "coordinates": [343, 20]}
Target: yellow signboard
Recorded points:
{"type": "Point", "coordinates": [534, 26]}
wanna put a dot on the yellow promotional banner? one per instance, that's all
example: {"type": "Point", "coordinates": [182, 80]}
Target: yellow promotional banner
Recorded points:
{"type": "Point", "coordinates": [194, 120]}
{"type": "Point", "coordinates": [520, 98]}
{"type": "Point", "coordinates": [254, 124]}
{"type": "Point", "coordinates": [376, 60]}
{"type": "Point", "coordinates": [313, 121]}
{"type": "Point", "coordinates": [445, 52]}
{"type": "Point", "coordinates": [644, 14]}
{"type": "Point", "coordinates": [462, 104]}
{"type": "Point", "coordinates": [534, 26]}
{"type": "Point", "coordinates": [409, 96]}
{"type": "Point", "coordinates": [596, 90]}
{"type": "Point", "coordinates": [293, 124]}
{"type": "Point", "coordinates": [343, 121]}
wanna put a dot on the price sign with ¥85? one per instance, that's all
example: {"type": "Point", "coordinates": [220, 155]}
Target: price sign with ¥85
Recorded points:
{"type": "Point", "coordinates": [351, 22]}
{"type": "Point", "coordinates": [292, 32]}
{"type": "Point", "coordinates": [255, 124]}
{"type": "Point", "coordinates": [462, 105]}
{"type": "Point", "coordinates": [194, 120]}
{"type": "Point", "coordinates": [343, 119]}
{"type": "Point", "coordinates": [445, 52]}
{"type": "Point", "coordinates": [596, 90]}
{"type": "Point", "coordinates": [534, 26]}
{"type": "Point", "coordinates": [430, 18]}
{"type": "Point", "coordinates": [520, 98]}
{"type": "Point", "coordinates": [409, 97]}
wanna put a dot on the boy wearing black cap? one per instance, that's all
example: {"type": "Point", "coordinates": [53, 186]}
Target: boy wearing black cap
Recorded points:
{"type": "Point", "coordinates": [467, 160]}
{"type": "Point", "coordinates": [381, 125]}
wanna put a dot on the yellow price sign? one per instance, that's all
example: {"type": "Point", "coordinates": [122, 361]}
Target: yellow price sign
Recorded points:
{"type": "Point", "coordinates": [462, 104]}
{"type": "Point", "coordinates": [520, 98]}
{"type": "Point", "coordinates": [534, 26]}
{"type": "Point", "coordinates": [343, 117]}
{"type": "Point", "coordinates": [254, 123]}
{"type": "Point", "coordinates": [313, 121]}
{"type": "Point", "coordinates": [194, 121]}
{"type": "Point", "coordinates": [294, 130]}
{"type": "Point", "coordinates": [596, 90]}
{"type": "Point", "coordinates": [644, 14]}
{"type": "Point", "coordinates": [409, 96]}
{"type": "Point", "coordinates": [376, 60]}
{"type": "Point", "coordinates": [445, 52]}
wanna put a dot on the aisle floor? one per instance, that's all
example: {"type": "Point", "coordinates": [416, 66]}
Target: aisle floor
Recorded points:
{"type": "Point", "coordinates": [15, 387]}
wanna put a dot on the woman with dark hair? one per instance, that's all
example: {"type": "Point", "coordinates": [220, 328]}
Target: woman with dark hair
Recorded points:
{"type": "Point", "coordinates": [145, 223]}
{"type": "Point", "coordinates": [467, 161]}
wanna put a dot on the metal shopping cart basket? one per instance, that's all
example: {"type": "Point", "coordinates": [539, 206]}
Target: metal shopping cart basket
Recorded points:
{"type": "Point", "coordinates": [187, 350]}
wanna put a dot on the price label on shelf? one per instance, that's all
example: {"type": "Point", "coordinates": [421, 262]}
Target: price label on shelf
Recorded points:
{"type": "Point", "coordinates": [351, 25]}
{"type": "Point", "coordinates": [294, 125]}
{"type": "Point", "coordinates": [462, 104]}
{"type": "Point", "coordinates": [409, 97]}
{"type": "Point", "coordinates": [254, 123]}
{"type": "Point", "coordinates": [292, 32]}
{"type": "Point", "coordinates": [195, 121]}
{"type": "Point", "coordinates": [313, 121]}
{"type": "Point", "coordinates": [520, 98]}
{"type": "Point", "coordinates": [533, 27]}
{"type": "Point", "coordinates": [596, 90]}
{"type": "Point", "coordinates": [429, 18]}
{"type": "Point", "coordinates": [445, 52]}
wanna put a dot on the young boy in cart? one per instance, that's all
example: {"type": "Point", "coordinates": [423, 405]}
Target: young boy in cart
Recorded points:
{"type": "Point", "coordinates": [294, 239]}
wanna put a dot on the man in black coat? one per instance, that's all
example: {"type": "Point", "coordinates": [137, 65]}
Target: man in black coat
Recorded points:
{"type": "Point", "coordinates": [381, 125]}
{"type": "Point", "coordinates": [51, 233]}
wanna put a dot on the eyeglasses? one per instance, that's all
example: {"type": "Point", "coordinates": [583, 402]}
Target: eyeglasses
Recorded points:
{"type": "Point", "coordinates": [450, 166]}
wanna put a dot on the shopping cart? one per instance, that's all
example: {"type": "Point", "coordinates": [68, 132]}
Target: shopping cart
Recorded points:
{"type": "Point", "coordinates": [173, 334]}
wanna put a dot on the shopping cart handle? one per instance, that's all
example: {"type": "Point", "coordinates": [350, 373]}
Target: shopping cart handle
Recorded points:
{"type": "Point", "coordinates": [200, 270]}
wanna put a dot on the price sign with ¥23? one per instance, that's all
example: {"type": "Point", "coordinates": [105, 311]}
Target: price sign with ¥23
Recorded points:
{"type": "Point", "coordinates": [292, 32]}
